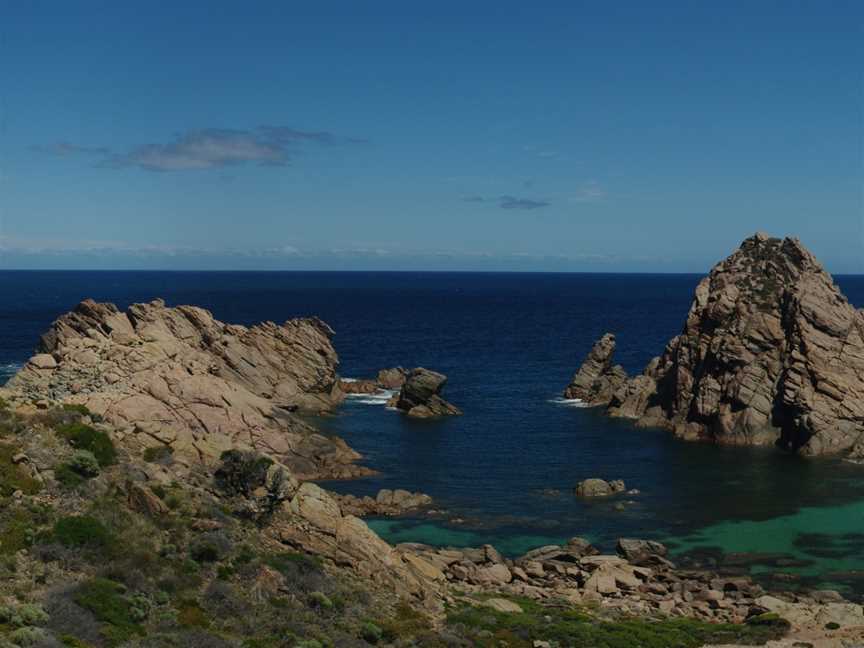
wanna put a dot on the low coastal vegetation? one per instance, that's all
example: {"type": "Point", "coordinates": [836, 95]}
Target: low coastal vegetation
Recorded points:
{"type": "Point", "coordinates": [564, 625]}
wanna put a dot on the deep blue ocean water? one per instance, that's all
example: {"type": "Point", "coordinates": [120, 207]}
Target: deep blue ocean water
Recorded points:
{"type": "Point", "coordinates": [509, 344]}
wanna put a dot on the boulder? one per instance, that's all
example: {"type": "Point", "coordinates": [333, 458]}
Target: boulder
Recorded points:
{"type": "Point", "coordinates": [597, 379]}
{"type": "Point", "coordinates": [641, 552]}
{"type": "Point", "coordinates": [420, 395]}
{"type": "Point", "coordinates": [182, 378]}
{"type": "Point", "coordinates": [502, 605]}
{"type": "Point", "coordinates": [595, 487]}
{"type": "Point", "coordinates": [392, 378]}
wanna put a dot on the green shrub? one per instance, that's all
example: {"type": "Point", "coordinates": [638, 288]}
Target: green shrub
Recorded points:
{"type": "Point", "coordinates": [84, 463]}
{"type": "Point", "coordinates": [14, 477]}
{"type": "Point", "coordinates": [76, 408]}
{"type": "Point", "coordinates": [22, 615]}
{"type": "Point", "coordinates": [320, 600]}
{"type": "Point", "coordinates": [190, 613]}
{"type": "Point", "coordinates": [82, 531]}
{"type": "Point", "coordinates": [488, 628]}
{"type": "Point", "coordinates": [242, 472]}
{"type": "Point", "coordinates": [84, 437]}
{"type": "Point", "coordinates": [16, 531]}
{"type": "Point", "coordinates": [29, 636]}
{"type": "Point", "coordinates": [106, 601]}
{"type": "Point", "coordinates": [371, 633]}
{"type": "Point", "coordinates": [67, 477]}
{"type": "Point", "coordinates": [158, 454]}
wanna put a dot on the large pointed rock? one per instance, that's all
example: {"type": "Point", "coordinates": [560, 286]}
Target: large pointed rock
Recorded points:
{"type": "Point", "coordinates": [771, 353]}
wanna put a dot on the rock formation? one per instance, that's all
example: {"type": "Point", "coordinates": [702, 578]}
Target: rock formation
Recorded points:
{"type": "Point", "coordinates": [387, 379]}
{"type": "Point", "coordinates": [595, 487]}
{"type": "Point", "coordinates": [597, 379]}
{"type": "Point", "coordinates": [178, 377]}
{"type": "Point", "coordinates": [420, 396]}
{"type": "Point", "coordinates": [387, 502]}
{"type": "Point", "coordinates": [771, 353]}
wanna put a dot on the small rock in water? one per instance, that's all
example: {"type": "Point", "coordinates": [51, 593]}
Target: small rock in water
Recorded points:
{"type": "Point", "coordinates": [595, 487]}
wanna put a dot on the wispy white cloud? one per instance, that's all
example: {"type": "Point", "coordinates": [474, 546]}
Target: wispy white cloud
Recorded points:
{"type": "Point", "coordinates": [509, 202]}
{"type": "Point", "coordinates": [208, 148]}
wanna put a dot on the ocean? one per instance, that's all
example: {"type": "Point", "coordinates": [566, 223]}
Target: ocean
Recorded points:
{"type": "Point", "coordinates": [504, 472]}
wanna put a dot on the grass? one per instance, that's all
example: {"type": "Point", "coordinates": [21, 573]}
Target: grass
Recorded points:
{"type": "Point", "coordinates": [18, 528]}
{"type": "Point", "coordinates": [106, 601]}
{"type": "Point", "coordinates": [488, 628]}
{"type": "Point", "coordinates": [82, 531]}
{"type": "Point", "coordinates": [85, 437]}
{"type": "Point", "coordinates": [14, 477]}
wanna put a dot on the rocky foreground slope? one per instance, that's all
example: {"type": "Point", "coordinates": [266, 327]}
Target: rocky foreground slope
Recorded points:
{"type": "Point", "coordinates": [180, 379]}
{"type": "Point", "coordinates": [771, 353]}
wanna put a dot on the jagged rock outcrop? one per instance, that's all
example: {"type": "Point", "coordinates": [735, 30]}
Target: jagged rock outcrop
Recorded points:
{"type": "Point", "coordinates": [420, 396]}
{"type": "Point", "coordinates": [179, 377]}
{"type": "Point", "coordinates": [597, 379]}
{"type": "Point", "coordinates": [771, 353]}
{"type": "Point", "coordinates": [387, 380]}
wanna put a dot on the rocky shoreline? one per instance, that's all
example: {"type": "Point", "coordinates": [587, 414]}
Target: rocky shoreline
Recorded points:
{"type": "Point", "coordinates": [194, 428]}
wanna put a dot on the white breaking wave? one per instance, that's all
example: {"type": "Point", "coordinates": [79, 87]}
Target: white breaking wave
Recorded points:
{"type": "Point", "coordinates": [569, 402]}
{"type": "Point", "coordinates": [378, 398]}
{"type": "Point", "coordinates": [7, 370]}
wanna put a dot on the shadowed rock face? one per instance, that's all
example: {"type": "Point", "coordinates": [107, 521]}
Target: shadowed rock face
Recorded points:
{"type": "Point", "coordinates": [177, 376]}
{"type": "Point", "coordinates": [420, 395]}
{"type": "Point", "coordinates": [771, 353]}
{"type": "Point", "coordinates": [597, 379]}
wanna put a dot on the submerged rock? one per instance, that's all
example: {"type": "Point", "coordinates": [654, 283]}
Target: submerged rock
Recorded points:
{"type": "Point", "coordinates": [595, 487]}
{"type": "Point", "coordinates": [180, 378]}
{"type": "Point", "coordinates": [771, 353]}
{"type": "Point", "coordinates": [420, 396]}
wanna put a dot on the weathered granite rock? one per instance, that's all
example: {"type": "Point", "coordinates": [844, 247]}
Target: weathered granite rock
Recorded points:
{"type": "Point", "coordinates": [641, 552]}
{"type": "Point", "coordinates": [420, 396]}
{"type": "Point", "coordinates": [595, 487]}
{"type": "Point", "coordinates": [597, 379]}
{"type": "Point", "coordinates": [386, 502]}
{"type": "Point", "coordinates": [313, 522]}
{"type": "Point", "coordinates": [771, 353]}
{"type": "Point", "coordinates": [392, 378]}
{"type": "Point", "coordinates": [179, 377]}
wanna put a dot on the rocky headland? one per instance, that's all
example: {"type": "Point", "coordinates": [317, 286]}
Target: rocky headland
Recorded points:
{"type": "Point", "coordinates": [771, 353]}
{"type": "Point", "coordinates": [180, 380]}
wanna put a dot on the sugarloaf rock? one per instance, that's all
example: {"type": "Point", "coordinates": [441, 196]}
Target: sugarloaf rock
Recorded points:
{"type": "Point", "coordinates": [771, 353]}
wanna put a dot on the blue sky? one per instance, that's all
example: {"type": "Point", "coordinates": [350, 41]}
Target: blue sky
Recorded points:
{"type": "Point", "coordinates": [580, 136]}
